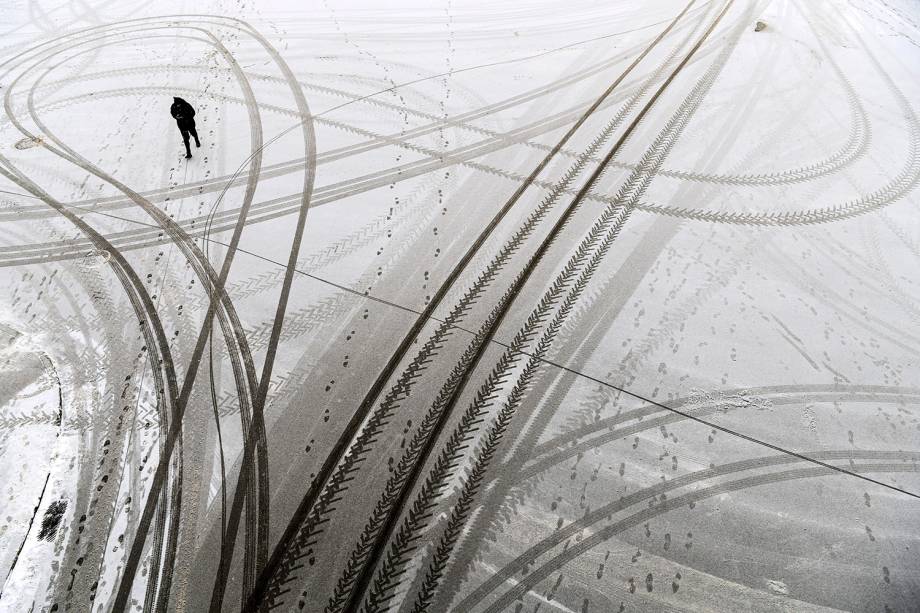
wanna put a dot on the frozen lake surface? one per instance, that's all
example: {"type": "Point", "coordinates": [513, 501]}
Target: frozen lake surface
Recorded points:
{"type": "Point", "coordinates": [587, 306]}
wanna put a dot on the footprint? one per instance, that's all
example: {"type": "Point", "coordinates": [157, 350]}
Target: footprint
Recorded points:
{"type": "Point", "coordinates": [778, 587]}
{"type": "Point", "coordinates": [600, 569]}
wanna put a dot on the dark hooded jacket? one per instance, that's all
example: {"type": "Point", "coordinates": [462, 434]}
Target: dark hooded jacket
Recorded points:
{"type": "Point", "coordinates": [183, 113]}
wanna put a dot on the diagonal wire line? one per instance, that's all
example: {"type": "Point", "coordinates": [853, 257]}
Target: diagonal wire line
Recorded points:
{"type": "Point", "coordinates": [607, 384]}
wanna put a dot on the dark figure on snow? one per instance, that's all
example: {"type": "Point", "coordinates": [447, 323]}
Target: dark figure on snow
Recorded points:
{"type": "Point", "coordinates": [184, 115]}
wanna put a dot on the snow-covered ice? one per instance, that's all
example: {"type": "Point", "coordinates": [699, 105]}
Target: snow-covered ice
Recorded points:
{"type": "Point", "coordinates": [475, 306]}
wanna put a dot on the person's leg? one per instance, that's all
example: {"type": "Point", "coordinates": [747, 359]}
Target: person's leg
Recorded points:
{"type": "Point", "coordinates": [188, 152]}
{"type": "Point", "coordinates": [195, 134]}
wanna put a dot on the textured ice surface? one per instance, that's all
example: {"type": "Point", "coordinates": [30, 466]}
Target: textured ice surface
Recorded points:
{"type": "Point", "coordinates": [461, 305]}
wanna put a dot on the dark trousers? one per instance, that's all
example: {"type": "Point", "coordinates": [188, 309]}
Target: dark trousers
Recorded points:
{"type": "Point", "coordinates": [186, 131]}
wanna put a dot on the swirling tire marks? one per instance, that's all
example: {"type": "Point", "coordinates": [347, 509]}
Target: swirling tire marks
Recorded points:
{"type": "Point", "coordinates": [230, 322]}
{"type": "Point", "coordinates": [546, 568]}
{"type": "Point", "coordinates": [853, 148]}
{"type": "Point", "coordinates": [162, 367]}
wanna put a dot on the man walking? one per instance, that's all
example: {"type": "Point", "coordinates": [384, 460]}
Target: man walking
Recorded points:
{"type": "Point", "coordinates": [184, 115]}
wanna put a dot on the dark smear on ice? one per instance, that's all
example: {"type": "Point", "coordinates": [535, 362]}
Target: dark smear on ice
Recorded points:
{"type": "Point", "coordinates": [52, 519]}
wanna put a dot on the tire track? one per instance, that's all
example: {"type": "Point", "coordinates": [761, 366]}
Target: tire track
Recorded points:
{"type": "Point", "coordinates": [257, 433]}
{"type": "Point", "coordinates": [535, 575]}
{"type": "Point", "coordinates": [206, 275]}
{"type": "Point", "coordinates": [165, 383]}
{"type": "Point", "coordinates": [192, 247]}
{"type": "Point", "coordinates": [520, 452]}
{"type": "Point", "coordinates": [562, 296]}
{"type": "Point", "coordinates": [393, 567]}
{"type": "Point", "coordinates": [556, 455]}
{"type": "Point", "coordinates": [296, 539]}
{"type": "Point", "coordinates": [854, 148]}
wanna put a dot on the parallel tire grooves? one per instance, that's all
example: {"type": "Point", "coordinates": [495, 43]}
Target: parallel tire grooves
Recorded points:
{"type": "Point", "coordinates": [293, 542]}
